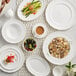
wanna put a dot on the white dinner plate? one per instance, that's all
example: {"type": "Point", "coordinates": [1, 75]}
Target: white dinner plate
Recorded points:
{"type": "Point", "coordinates": [19, 56]}
{"type": "Point", "coordinates": [52, 59]}
{"type": "Point", "coordinates": [60, 14]}
{"type": "Point", "coordinates": [37, 66]}
{"type": "Point", "coordinates": [13, 31]}
{"type": "Point", "coordinates": [31, 17]}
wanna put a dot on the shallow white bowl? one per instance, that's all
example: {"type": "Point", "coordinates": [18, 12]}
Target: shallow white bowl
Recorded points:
{"type": "Point", "coordinates": [13, 31]}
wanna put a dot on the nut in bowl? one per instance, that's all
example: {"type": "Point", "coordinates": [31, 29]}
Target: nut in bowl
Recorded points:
{"type": "Point", "coordinates": [29, 44]}
{"type": "Point", "coordinates": [39, 30]}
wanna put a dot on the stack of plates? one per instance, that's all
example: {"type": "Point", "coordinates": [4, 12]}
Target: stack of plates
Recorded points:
{"type": "Point", "coordinates": [19, 58]}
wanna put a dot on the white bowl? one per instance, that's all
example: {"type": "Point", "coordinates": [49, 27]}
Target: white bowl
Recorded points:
{"type": "Point", "coordinates": [37, 35]}
{"type": "Point", "coordinates": [13, 31]}
{"type": "Point", "coordinates": [37, 66]}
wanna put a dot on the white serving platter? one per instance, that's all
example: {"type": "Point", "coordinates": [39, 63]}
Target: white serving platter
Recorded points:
{"type": "Point", "coordinates": [10, 68]}
{"type": "Point", "coordinates": [31, 17]}
{"type": "Point", "coordinates": [37, 66]}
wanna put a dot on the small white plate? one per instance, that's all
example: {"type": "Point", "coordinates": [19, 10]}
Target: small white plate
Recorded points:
{"type": "Point", "coordinates": [31, 17]}
{"type": "Point", "coordinates": [52, 59]}
{"type": "Point", "coordinates": [34, 30]}
{"type": "Point", "coordinates": [37, 66]}
{"type": "Point", "coordinates": [13, 31]}
{"type": "Point", "coordinates": [60, 15]}
{"type": "Point", "coordinates": [12, 67]}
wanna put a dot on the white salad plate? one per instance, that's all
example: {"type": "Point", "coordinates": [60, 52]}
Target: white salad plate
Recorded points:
{"type": "Point", "coordinates": [13, 31]}
{"type": "Point", "coordinates": [60, 14]}
{"type": "Point", "coordinates": [19, 56]}
{"type": "Point", "coordinates": [37, 66]}
{"type": "Point", "coordinates": [52, 59]}
{"type": "Point", "coordinates": [30, 17]}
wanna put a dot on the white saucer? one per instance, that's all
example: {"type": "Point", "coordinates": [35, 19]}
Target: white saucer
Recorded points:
{"type": "Point", "coordinates": [11, 67]}
{"type": "Point", "coordinates": [13, 31]}
{"type": "Point", "coordinates": [60, 15]}
{"type": "Point", "coordinates": [37, 66]}
{"type": "Point", "coordinates": [31, 17]}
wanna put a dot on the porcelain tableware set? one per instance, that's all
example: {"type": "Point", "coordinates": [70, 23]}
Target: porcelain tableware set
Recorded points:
{"type": "Point", "coordinates": [59, 14]}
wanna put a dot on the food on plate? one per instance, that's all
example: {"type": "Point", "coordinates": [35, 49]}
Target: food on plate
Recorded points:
{"type": "Point", "coordinates": [10, 59]}
{"type": "Point", "coordinates": [30, 44]}
{"type": "Point", "coordinates": [31, 8]}
{"type": "Point", "coordinates": [39, 30]}
{"type": "Point", "coordinates": [59, 47]}
{"type": "Point", "coordinates": [3, 3]}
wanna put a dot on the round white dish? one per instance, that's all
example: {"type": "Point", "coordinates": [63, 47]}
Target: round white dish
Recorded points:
{"type": "Point", "coordinates": [58, 71]}
{"type": "Point", "coordinates": [31, 17]}
{"type": "Point", "coordinates": [10, 68]}
{"type": "Point", "coordinates": [13, 31]}
{"type": "Point", "coordinates": [52, 59]}
{"type": "Point", "coordinates": [34, 30]}
{"type": "Point", "coordinates": [37, 66]}
{"type": "Point", "coordinates": [60, 15]}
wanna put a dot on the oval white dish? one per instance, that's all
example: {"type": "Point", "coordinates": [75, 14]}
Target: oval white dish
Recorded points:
{"type": "Point", "coordinates": [37, 66]}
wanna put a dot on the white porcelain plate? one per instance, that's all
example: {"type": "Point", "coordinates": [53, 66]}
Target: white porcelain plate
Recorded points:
{"type": "Point", "coordinates": [60, 15]}
{"type": "Point", "coordinates": [52, 59]}
{"type": "Point", "coordinates": [18, 61]}
{"type": "Point", "coordinates": [13, 31]}
{"type": "Point", "coordinates": [31, 17]}
{"type": "Point", "coordinates": [37, 66]}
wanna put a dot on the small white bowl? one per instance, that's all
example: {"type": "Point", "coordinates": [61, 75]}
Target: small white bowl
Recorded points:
{"type": "Point", "coordinates": [37, 35]}
{"type": "Point", "coordinates": [58, 71]}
